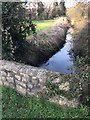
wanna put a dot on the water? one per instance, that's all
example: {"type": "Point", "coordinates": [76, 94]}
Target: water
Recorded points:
{"type": "Point", "coordinates": [62, 61]}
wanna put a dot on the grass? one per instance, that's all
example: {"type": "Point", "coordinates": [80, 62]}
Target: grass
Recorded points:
{"type": "Point", "coordinates": [43, 24]}
{"type": "Point", "coordinates": [53, 89]}
{"type": "Point", "coordinates": [17, 106]}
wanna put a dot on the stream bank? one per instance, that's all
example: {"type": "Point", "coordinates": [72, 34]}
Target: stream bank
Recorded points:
{"type": "Point", "coordinates": [62, 61]}
{"type": "Point", "coordinates": [41, 47]}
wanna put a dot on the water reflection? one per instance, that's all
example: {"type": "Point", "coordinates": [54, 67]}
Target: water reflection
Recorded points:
{"type": "Point", "coordinates": [62, 61]}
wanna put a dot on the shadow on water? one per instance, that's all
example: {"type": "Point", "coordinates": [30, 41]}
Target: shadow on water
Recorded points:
{"type": "Point", "coordinates": [62, 61]}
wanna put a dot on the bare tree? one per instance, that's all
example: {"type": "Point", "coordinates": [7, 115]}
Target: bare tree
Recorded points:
{"type": "Point", "coordinates": [48, 8]}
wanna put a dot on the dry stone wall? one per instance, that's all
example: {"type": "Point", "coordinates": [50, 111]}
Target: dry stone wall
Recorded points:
{"type": "Point", "coordinates": [29, 80]}
{"type": "Point", "coordinates": [25, 79]}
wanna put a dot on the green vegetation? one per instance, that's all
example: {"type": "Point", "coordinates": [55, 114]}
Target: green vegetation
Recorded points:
{"type": "Point", "coordinates": [16, 26]}
{"type": "Point", "coordinates": [79, 18]}
{"type": "Point", "coordinates": [83, 77]}
{"type": "Point", "coordinates": [53, 89]}
{"type": "Point", "coordinates": [15, 105]}
{"type": "Point", "coordinates": [43, 24]}
{"type": "Point", "coordinates": [15, 30]}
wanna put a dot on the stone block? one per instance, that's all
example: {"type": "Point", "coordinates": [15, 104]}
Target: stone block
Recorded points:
{"type": "Point", "coordinates": [14, 72]}
{"type": "Point", "coordinates": [30, 78]}
{"type": "Point", "coordinates": [20, 89]}
{"type": "Point", "coordinates": [29, 86]}
{"type": "Point", "coordinates": [17, 77]}
{"type": "Point", "coordinates": [6, 83]}
{"type": "Point", "coordinates": [24, 79]}
{"type": "Point", "coordinates": [9, 74]}
{"type": "Point", "coordinates": [3, 73]}
{"type": "Point", "coordinates": [22, 74]}
{"type": "Point", "coordinates": [10, 79]}
{"type": "Point", "coordinates": [20, 83]}
{"type": "Point", "coordinates": [3, 79]}
{"type": "Point", "coordinates": [41, 76]}
{"type": "Point", "coordinates": [35, 80]}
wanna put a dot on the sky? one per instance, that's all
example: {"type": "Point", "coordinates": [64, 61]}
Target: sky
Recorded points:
{"type": "Point", "coordinates": [68, 3]}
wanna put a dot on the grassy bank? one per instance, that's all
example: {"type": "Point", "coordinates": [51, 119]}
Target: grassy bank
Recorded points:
{"type": "Point", "coordinates": [15, 105]}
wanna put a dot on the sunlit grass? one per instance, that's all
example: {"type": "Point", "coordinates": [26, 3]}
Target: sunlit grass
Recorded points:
{"type": "Point", "coordinates": [18, 106]}
{"type": "Point", "coordinates": [43, 24]}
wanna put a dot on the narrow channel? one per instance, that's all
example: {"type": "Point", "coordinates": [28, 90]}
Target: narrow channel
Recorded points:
{"type": "Point", "coordinates": [62, 61]}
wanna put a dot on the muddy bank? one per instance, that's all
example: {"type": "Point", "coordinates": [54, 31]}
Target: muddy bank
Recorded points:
{"type": "Point", "coordinates": [42, 46]}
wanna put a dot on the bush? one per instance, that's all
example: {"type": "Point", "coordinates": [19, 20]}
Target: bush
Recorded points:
{"type": "Point", "coordinates": [16, 26]}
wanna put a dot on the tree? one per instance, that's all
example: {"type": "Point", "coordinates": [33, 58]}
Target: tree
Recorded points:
{"type": "Point", "coordinates": [32, 10]}
{"type": "Point", "coordinates": [16, 26]}
{"type": "Point", "coordinates": [55, 9]}
{"type": "Point", "coordinates": [82, 8]}
{"type": "Point", "coordinates": [62, 8]}
{"type": "Point", "coordinates": [58, 9]}
{"type": "Point", "coordinates": [40, 9]}
{"type": "Point", "coordinates": [47, 11]}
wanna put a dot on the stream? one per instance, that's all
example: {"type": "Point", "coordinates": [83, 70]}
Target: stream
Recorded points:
{"type": "Point", "coordinates": [62, 61]}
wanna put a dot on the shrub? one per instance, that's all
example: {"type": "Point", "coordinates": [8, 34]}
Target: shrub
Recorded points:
{"type": "Point", "coordinates": [16, 26]}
